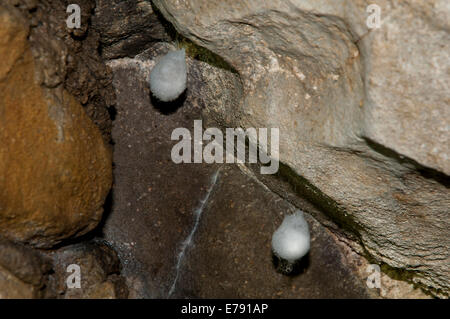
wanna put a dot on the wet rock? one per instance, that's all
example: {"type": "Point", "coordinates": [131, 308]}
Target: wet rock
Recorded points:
{"type": "Point", "coordinates": [55, 170]}
{"type": "Point", "coordinates": [23, 272]}
{"type": "Point", "coordinates": [99, 272]}
{"type": "Point", "coordinates": [29, 273]}
{"type": "Point", "coordinates": [353, 136]}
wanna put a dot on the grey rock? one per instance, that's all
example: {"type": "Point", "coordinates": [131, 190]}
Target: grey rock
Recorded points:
{"type": "Point", "coordinates": [157, 205]}
{"type": "Point", "coordinates": [230, 255]}
{"type": "Point", "coordinates": [407, 83]}
{"type": "Point", "coordinates": [363, 114]}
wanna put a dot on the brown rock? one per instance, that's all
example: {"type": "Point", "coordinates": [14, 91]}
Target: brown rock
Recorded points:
{"type": "Point", "coordinates": [99, 271]}
{"type": "Point", "coordinates": [70, 57]}
{"type": "Point", "coordinates": [55, 170]}
{"type": "Point", "coordinates": [23, 271]}
{"type": "Point", "coordinates": [12, 39]}
{"type": "Point", "coordinates": [13, 288]}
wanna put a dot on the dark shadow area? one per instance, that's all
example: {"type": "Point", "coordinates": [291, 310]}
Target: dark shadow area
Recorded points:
{"type": "Point", "coordinates": [112, 111]}
{"type": "Point", "coordinates": [167, 108]}
{"type": "Point", "coordinates": [107, 209]}
{"type": "Point", "coordinates": [425, 172]}
{"type": "Point", "coordinates": [170, 30]}
{"type": "Point", "coordinates": [291, 270]}
{"type": "Point", "coordinates": [81, 37]}
{"type": "Point", "coordinates": [76, 240]}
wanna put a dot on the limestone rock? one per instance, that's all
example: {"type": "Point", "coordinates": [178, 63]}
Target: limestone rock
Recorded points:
{"type": "Point", "coordinates": [407, 72]}
{"type": "Point", "coordinates": [230, 253]}
{"type": "Point", "coordinates": [55, 170]}
{"type": "Point", "coordinates": [363, 114]}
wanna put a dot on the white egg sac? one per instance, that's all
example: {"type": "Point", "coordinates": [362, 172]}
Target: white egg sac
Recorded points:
{"type": "Point", "coordinates": [168, 77]}
{"type": "Point", "coordinates": [291, 241]}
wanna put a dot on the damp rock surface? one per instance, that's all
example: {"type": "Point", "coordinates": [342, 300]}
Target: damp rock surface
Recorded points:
{"type": "Point", "coordinates": [153, 199]}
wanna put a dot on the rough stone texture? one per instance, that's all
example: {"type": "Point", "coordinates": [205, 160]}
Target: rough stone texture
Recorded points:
{"type": "Point", "coordinates": [55, 170]}
{"type": "Point", "coordinates": [392, 286]}
{"type": "Point", "coordinates": [70, 57]}
{"type": "Point", "coordinates": [407, 105]}
{"type": "Point", "coordinates": [99, 271]}
{"type": "Point", "coordinates": [127, 27]}
{"type": "Point", "coordinates": [23, 272]}
{"type": "Point", "coordinates": [152, 198]}
{"type": "Point", "coordinates": [29, 273]}
{"type": "Point", "coordinates": [230, 256]}
{"type": "Point", "coordinates": [362, 114]}
{"type": "Point", "coordinates": [309, 65]}
{"type": "Point", "coordinates": [155, 203]}
{"type": "Point", "coordinates": [363, 117]}
{"type": "Point", "coordinates": [13, 288]}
